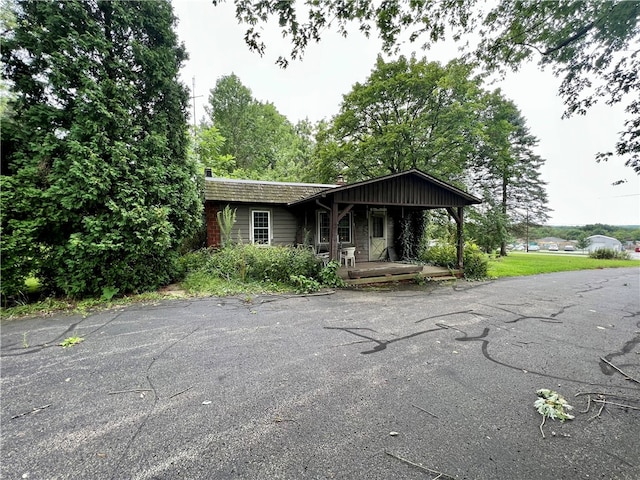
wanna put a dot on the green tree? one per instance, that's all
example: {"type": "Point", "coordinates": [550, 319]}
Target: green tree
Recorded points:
{"type": "Point", "coordinates": [591, 45]}
{"type": "Point", "coordinates": [582, 242]}
{"type": "Point", "coordinates": [231, 108]}
{"type": "Point", "coordinates": [97, 189]}
{"type": "Point", "coordinates": [263, 142]}
{"type": "Point", "coordinates": [328, 157]}
{"type": "Point", "coordinates": [507, 171]}
{"type": "Point", "coordinates": [488, 227]}
{"type": "Point", "coordinates": [7, 24]}
{"type": "Point", "coordinates": [297, 150]}
{"type": "Point", "coordinates": [272, 137]}
{"type": "Point", "coordinates": [207, 147]}
{"type": "Point", "coordinates": [410, 114]}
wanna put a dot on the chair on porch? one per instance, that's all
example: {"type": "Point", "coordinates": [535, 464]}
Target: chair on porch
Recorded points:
{"type": "Point", "coordinates": [322, 254]}
{"type": "Point", "coordinates": [348, 255]}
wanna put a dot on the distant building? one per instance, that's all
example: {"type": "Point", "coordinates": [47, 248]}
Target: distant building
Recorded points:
{"type": "Point", "coordinates": [547, 242]}
{"type": "Point", "coordinates": [598, 242]}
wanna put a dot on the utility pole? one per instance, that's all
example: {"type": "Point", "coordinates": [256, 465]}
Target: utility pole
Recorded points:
{"type": "Point", "coordinates": [527, 227]}
{"type": "Point", "coordinates": [193, 102]}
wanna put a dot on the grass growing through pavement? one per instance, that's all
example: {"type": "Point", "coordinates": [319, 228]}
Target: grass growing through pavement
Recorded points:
{"type": "Point", "coordinates": [518, 264]}
{"type": "Point", "coordinates": [71, 341]}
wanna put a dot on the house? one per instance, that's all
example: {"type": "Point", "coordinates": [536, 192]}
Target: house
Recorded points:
{"type": "Point", "coordinates": [597, 242]}
{"type": "Point", "coordinates": [362, 215]}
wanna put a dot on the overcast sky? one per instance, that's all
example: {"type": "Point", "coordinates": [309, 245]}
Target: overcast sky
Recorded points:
{"type": "Point", "coordinates": [580, 190]}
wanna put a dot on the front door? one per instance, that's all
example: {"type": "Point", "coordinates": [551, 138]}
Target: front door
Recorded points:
{"type": "Point", "coordinates": [377, 235]}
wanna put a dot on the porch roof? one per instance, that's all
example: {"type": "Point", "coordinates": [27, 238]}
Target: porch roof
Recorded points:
{"type": "Point", "coordinates": [410, 188]}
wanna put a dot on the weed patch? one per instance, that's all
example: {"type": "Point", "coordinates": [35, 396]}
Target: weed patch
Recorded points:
{"type": "Point", "coordinates": [237, 269]}
{"type": "Point", "coordinates": [71, 341]}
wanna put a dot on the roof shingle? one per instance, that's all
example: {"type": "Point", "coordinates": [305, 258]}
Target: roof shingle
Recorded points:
{"type": "Point", "coordinates": [254, 191]}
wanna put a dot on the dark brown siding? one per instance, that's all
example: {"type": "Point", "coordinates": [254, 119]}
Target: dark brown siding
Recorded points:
{"type": "Point", "coordinates": [407, 191]}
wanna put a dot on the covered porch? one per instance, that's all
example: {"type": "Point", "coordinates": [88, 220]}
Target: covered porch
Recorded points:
{"type": "Point", "coordinates": [363, 217]}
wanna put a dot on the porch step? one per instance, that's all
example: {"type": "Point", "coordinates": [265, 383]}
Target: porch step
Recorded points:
{"type": "Point", "coordinates": [398, 278]}
{"type": "Point", "coordinates": [384, 271]}
{"type": "Point", "coordinates": [443, 278]}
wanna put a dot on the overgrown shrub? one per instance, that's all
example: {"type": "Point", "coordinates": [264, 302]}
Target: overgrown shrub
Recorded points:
{"type": "Point", "coordinates": [476, 263]}
{"type": "Point", "coordinates": [277, 265]}
{"type": "Point", "coordinates": [304, 284]}
{"type": "Point", "coordinates": [446, 255]}
{"type": "Point", "coordinates": [441, 255]}
{"type": "Point", "coordinates": [329, 275]}
{"type": "Point", "coordinates": [609, 254]}
{"type": "Point", "coordinates": [190, 262]}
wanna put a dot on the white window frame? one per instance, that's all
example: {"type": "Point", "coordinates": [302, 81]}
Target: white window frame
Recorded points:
{"type": "Point", "coordinates": [319, 223]}
{"type": "Point", "coordinates": [252, 226]}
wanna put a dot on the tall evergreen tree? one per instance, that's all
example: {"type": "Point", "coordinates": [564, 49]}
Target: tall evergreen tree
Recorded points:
{"type": "Point", "coordinates": [97, 190]}
{"type": "Point", "coordinates": [507, 172]}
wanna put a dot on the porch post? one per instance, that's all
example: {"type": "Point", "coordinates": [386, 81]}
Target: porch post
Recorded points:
{"type": "Point", "coordinates": [333, 232]}
{"type": "Point", "coordinates": [460, 235]}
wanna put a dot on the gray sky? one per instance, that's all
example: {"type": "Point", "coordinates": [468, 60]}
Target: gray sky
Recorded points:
{"type": "Point", "coordinates": [580, 190]}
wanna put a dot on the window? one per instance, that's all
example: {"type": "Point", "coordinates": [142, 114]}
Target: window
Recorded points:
{"type": "Point", "coordinates": [377, 226]}
{"type": "Point", "coordinates": [344, 228]}
{"type": "Point", "coordinates": [261, 227]}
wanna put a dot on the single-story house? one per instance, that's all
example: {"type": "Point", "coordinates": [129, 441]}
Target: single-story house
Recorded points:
{"type": "Point", "coordinates": [330, 217]}
{"type": "Point", "coordinates": [597, 242]}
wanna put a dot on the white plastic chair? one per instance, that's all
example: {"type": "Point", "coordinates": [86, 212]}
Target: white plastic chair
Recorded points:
{"type": "Point", "coordinates": [348, 255]}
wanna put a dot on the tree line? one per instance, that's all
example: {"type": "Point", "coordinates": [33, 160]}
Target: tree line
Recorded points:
{"type": "Point", "coordinates": [99, 175]}
{"type": "Point", "coordinates": [625, 234]}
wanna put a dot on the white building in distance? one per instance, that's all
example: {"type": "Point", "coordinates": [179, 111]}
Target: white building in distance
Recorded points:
{"type": "Point", "coordinates": [599, 242]}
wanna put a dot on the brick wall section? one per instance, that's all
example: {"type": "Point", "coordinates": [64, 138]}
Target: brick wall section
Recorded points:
{"type": "Point", "coordinates": [213, 228]}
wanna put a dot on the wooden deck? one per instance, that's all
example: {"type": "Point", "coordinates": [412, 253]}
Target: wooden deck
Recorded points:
{"type": "Point", "coordinates": [383, 272]}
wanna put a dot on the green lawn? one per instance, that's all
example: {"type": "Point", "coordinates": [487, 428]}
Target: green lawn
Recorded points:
{"type": "Point", "coordinates": [517, 264]}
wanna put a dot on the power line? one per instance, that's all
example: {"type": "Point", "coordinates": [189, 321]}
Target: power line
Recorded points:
{"type": "Point", "coordinates": [621, 196]}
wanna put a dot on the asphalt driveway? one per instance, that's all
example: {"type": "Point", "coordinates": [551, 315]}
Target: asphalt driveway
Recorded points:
{"type": "Point", "coordinates": [359, 384]}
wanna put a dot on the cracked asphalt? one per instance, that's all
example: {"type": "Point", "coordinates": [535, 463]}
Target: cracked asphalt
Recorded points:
{"type": "Point", "coordinates": [311, 387]}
